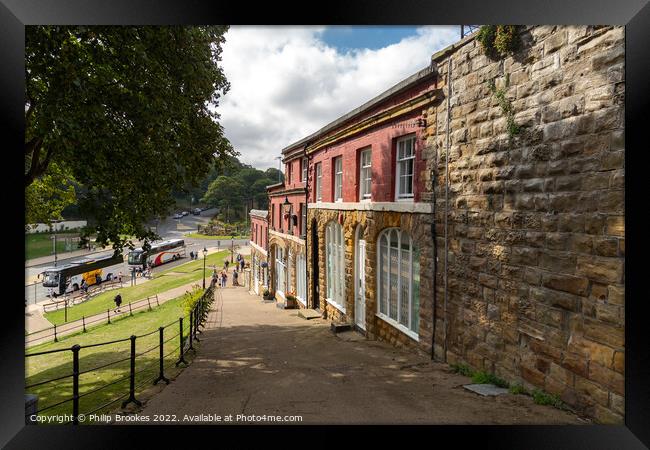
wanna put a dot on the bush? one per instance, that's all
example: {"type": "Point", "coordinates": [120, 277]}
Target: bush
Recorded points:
{"type": "Point", "coordinates": [544, 398]}
{"type": "Point", "coordinates": [462, 369]}
{"type": "Point", "coordinates": [191, 298]}
{"type": "Point", "coordinates": [518, 389]}
{"type": "Point", "coordinates": [482, 377]}
{"type": "Point", "coordinates": [498, 40]}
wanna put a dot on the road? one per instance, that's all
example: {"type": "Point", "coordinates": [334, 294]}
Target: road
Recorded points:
{"type": "Point", "coordinates": [168, 228]}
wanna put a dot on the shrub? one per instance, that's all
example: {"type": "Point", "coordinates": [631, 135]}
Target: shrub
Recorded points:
{"type": "Point", "coordinates": [462, 369]}
{"type": "Point", "coordinates": [482, 377]}
{"type": "Point", "coordinates": [544, 398]}
{"type": "Point", "coordinates": [191, 298]}
{"type": "Point", "coordinates": [518, 389]}
{"type": "Point", "coordinates": [498, 41]}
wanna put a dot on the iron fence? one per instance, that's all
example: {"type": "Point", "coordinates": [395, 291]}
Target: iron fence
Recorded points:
{"type": "Point", "coordinates": [38, 337]}
{"type": "Point", "coordinates": [197, 319]}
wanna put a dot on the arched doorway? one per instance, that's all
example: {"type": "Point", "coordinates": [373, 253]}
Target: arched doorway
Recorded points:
{"type": "Point", "coordinates": [315, 297]}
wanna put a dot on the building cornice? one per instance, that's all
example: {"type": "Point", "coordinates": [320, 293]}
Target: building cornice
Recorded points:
{"type": "Point", "coordinates": [289, 237]}
{"type": "Point", "coordinates": [404, 207]}
{"type": "Point", "coordinates": [288, 192]}
{"type": "Point", "coordinates": [383, 117]}
{"type": "Point", "coordinates": [258, 248]}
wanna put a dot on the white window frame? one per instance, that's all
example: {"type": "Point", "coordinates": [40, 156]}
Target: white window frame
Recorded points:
{"type": "Point", "coordinates": [301, 279]}
{"type": "Point", "coordinates": [338, 179]}
{"type": "Point", "coordinates": [402, 162]}
{"type": "Point", "coordinates": [335, 265]}
{"type": "Point", "coordinates": [304, 169]}
{"type": "Point", "coordinates": [280, 272]}
{"type": "Point", "coordinates": [319, 182]}
{"type": "Point", "coordinates": [367, 176]}
{"type": "Point", "coordinates": [384, 247]}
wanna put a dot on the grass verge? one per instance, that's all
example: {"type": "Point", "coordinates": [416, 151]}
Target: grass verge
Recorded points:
{"type": "Point", "coordinates": [55, 365]}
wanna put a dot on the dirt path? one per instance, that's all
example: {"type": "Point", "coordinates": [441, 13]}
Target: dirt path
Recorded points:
{"type": "Point", "coordinates": [255, 359]}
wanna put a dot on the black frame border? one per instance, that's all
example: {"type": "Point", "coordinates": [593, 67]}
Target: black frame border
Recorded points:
{"type": "Point", "coordinates": [634, 14]}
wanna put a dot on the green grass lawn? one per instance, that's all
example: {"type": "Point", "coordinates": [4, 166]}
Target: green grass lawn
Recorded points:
{"type": "Point", "coordinates": [163, 281]}
{"type": "Point", "coordinates": [55, 365]}
{"type": "Point", "coordinates": [221, 238]}
{"type": "Point", "coordinates": [40, 244]}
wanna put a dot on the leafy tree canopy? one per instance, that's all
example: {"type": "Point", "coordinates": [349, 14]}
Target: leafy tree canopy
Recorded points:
{"type": "Point", "coordinates": [129, 113]}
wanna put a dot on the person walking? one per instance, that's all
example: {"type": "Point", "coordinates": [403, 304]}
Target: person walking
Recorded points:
{"type": "Point", "coordinates": [242, 263]}
{"type": "Point", "coordinates": [225, 265]}
{"type": "Point", "coordinates": [224, 279]}
{"type": "Point", "coordinates": [235, 276]}
{"type": "Point", "coordinates": [191, 255]}
{"type": "Point", "coordinates": [118, 302]}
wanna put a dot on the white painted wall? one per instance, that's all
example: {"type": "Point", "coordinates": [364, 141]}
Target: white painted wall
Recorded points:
{"type": "Point", "coordinates": [67, 224]}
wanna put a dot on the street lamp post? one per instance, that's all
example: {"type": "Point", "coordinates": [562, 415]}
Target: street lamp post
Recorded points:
{"type": "Point", "coordinates": [205, 255]}
{"type": "Point", "coordinates": [232, 248]}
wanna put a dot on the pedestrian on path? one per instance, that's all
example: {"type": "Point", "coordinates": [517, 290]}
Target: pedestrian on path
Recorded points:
{"type": "Point", "coordinates": [235, 276]}
{"type": "Point", "coordinates": [225, 265]}
{"type": "Point", "coordinates": [242, 264]}
{"type": "Point", "coordinates": [191, 255]}
{"type": "Point", "coordinates": [118, 302]}
{"type": "Point", "coordinates": [224, 279]}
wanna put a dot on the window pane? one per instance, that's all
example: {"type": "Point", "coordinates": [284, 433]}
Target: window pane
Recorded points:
{"type": "Point", "coordinates": [394, 267]}
{"type": "Point", "coordinates": [415, 302]}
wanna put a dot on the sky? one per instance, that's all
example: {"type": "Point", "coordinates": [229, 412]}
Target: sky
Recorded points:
{"type": "Point", "coordinates": [288, 82]}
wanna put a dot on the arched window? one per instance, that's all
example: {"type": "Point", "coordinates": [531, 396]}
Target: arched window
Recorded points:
{"type": "Point", "coordinates": [398, 280]}
{"type": "Point", "coordinates": [335, 265]}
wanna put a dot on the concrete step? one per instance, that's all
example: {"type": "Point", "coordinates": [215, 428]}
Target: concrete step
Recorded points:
{"type": "Point", "coordinates": [340, 327]}
{"type": "Point", "coordinates": [309, 314]}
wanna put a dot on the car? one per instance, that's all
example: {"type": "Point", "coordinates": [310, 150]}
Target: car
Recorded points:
{"type": "Point", "coordinates": [196, 211]}
{"type": "Point", "coordinates": [185, 213]}
{"type": "Point", "coordinates": [178, 216]}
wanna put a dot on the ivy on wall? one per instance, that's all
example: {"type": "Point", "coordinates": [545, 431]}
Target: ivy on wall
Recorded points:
{"type": "Point", "coordinates": [499, 41]}
{"type": "Point", "coordinates": [506, 107]}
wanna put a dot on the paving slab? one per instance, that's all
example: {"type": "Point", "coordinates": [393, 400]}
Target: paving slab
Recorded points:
{"type": "Point", "coordinates": [486, 389]}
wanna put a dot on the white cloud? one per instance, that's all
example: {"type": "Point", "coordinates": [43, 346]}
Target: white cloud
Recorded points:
{"type": "Point", "coordinates": [287, 83]}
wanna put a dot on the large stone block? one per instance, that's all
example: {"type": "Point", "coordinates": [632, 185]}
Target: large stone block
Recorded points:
{"type": "Point", "coordinates": [600, 269]}
{"type": "Point", "coordinates": [573, 285]}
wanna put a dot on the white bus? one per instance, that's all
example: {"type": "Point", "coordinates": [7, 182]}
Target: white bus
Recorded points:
{"type": "Point", "coordinates": [160, 253]}
{"type": "Point", "coordinates": [68, 277]}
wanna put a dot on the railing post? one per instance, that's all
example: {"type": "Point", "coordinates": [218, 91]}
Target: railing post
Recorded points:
{"type": "Point", "coordinates": [157, 303]}
{"type": "Point", "coordinates": [132, 378]}
{"type": "Point", "coordinates": [161, 376]}
{"type": "Point", "coordinates": [149, 303]}
{"type": "Point", "coordinates": [108, 314]}
{"type": "Point", "coordinates": [130, 312]}
{"type": "Point", "coordinates": [75, 383]}
{"type": "Point", "coordinates": [181, 359]}
{"type": "Point", "coordinates": [83, 321]}
{"type": "Point", "coordinates": [192, 330]}
{"type": "Point", "coordinates": [55, 339]}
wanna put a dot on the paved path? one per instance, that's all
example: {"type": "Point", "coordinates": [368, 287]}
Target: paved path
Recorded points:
{"type": "Point", "coordinates": [255, 359]}
{"type": "Point", "coordinates": [36, 321]}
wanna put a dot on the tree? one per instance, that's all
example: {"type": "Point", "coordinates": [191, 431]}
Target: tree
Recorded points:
{"type": "Point", "coordinates": [129, 113]}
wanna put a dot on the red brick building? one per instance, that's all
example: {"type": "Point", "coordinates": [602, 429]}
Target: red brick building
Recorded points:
{"type": "Point", "coordinates": [287, 228]}
{"type": "Point", "coordinates": [259, 240]}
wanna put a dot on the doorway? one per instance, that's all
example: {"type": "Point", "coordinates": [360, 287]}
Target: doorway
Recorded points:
{"type": "Point", "coordinates": [314, 266]}
{"type": "Point", "coordinates": [360, 279]}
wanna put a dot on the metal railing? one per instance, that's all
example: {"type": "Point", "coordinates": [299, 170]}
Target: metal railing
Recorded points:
{"type": "Point", "coordinates": [197, 319]}
{"type": "Point", "coordinates": [55, 332]}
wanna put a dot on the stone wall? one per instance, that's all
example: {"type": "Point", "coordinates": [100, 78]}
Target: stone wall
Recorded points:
{"type": "Point", "coordinates": [536, 232]}
{"type": "Point", "coordinates": [373, 223]}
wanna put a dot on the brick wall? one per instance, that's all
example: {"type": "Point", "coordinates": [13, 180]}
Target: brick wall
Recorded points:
{"type": "Point", "coordinates": [536, 230]}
